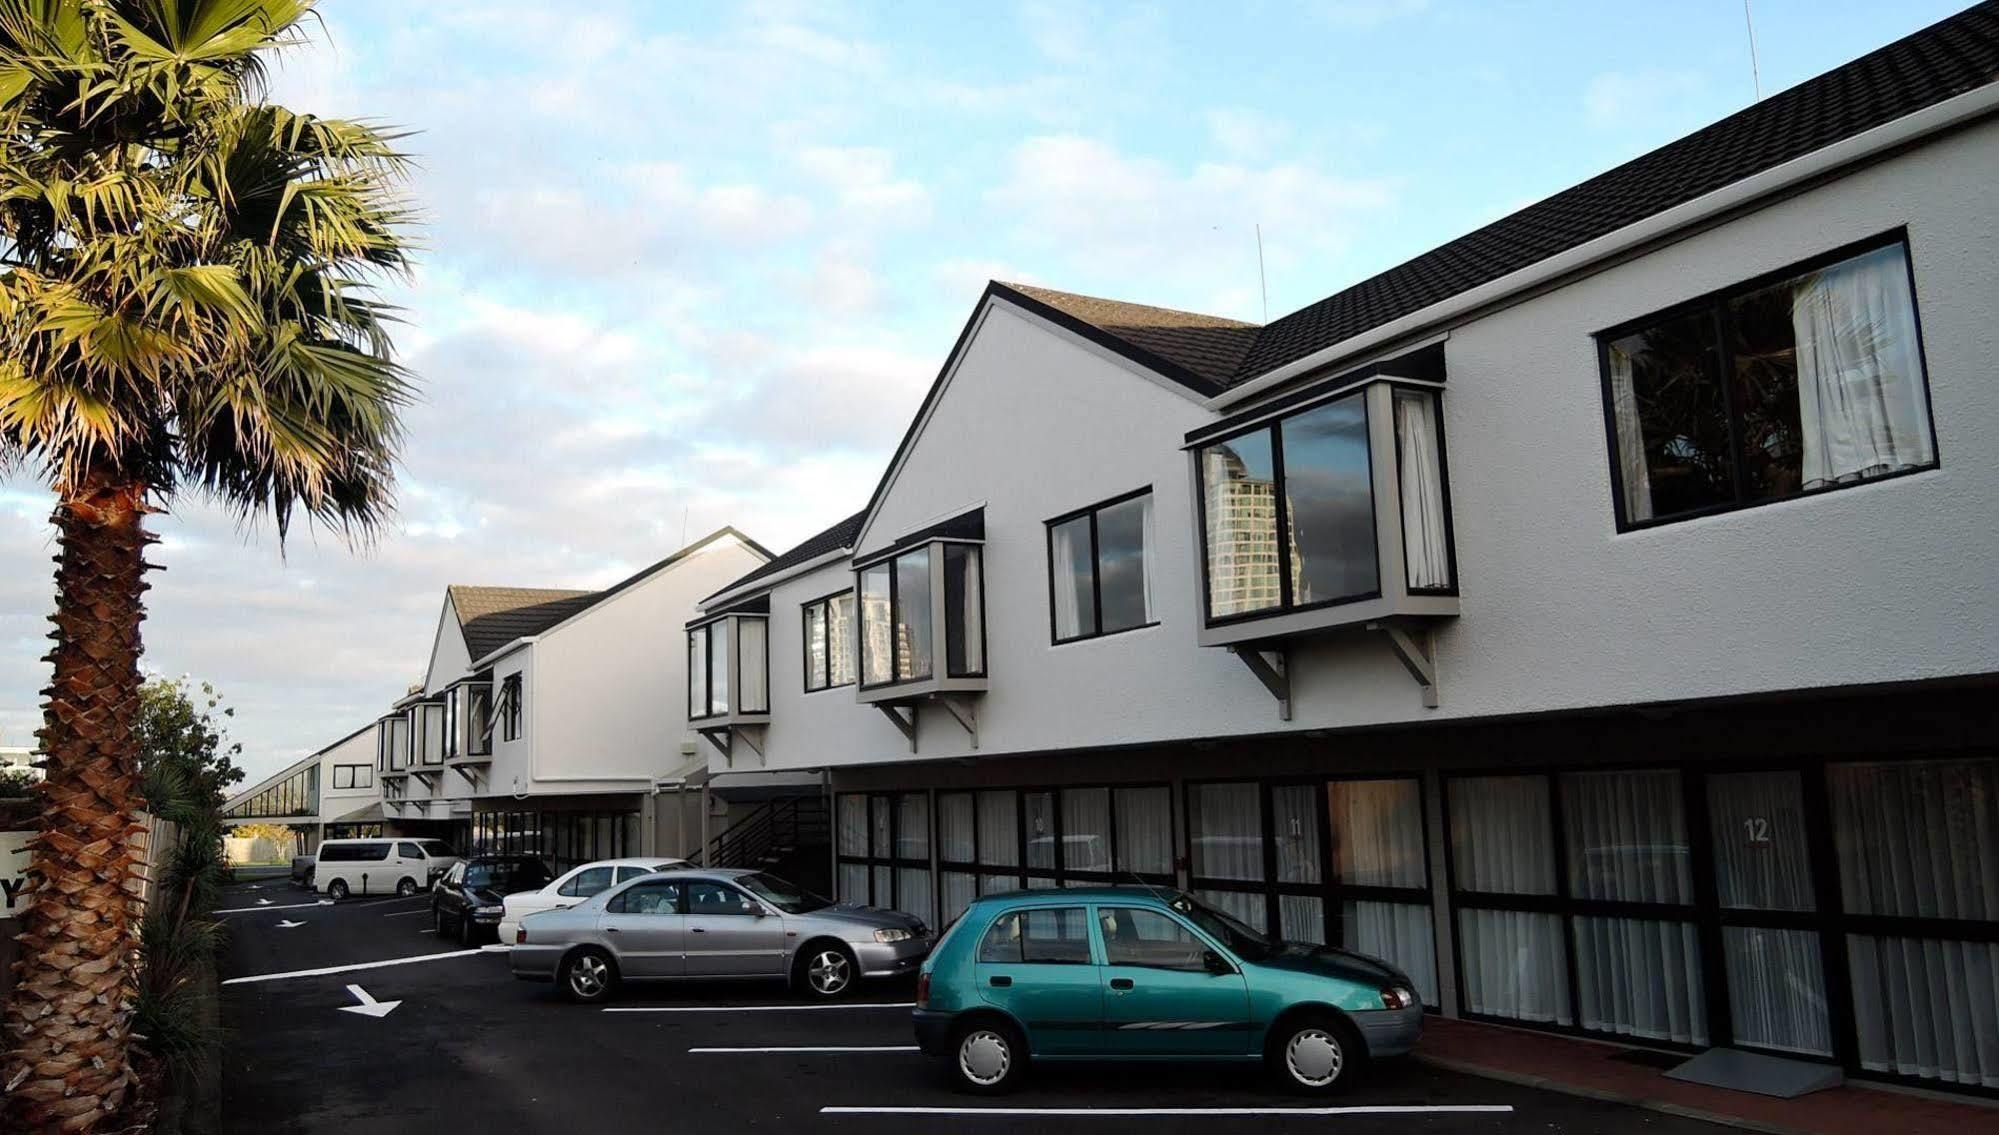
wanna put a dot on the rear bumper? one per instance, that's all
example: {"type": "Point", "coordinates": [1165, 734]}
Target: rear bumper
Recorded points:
{"type": "Point", "coordinates": [1389, 1032]}
{"type": "Point", "coordinates": [933, 1031]}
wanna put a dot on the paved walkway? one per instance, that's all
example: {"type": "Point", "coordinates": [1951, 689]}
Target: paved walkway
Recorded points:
{"type": "Point", "coordinates": [1592, 1068]}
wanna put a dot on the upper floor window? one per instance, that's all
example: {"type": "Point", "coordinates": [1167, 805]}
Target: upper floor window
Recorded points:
{"type": "Point", "coordinates": [353, 776]}
{"type": "Point", "coordinates": [511, 698]}
{"type": "Point", "coordinates": [922, 611]}
{"type": "Point", "coordinates": [829, 642]}
{"type": "Point", "coordinates": [715, 672]}
{"type": "Point", "coordinates": [1100, 568]}
{"type": "Point", "coordinates": [1807, 380]}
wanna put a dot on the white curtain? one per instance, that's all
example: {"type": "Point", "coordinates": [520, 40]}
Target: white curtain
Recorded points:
{"type": "Point", "coordinates": [1776, 989]}
{"type": "Point", "coordinates": [1925, 1007]}
{"type": "Point", "coordinates": [1040, 818]}
{"type": "Point", "coordinates": [1514, 965]}
{"type": "Point", "coordinates": [1640, 978]}
{"type": "Point", "coordinates": [1069, 544]}
{"type": "Point", "coordinates": [1247, 908]}
{"type": "Point", "coordinates": [879, 827]}
{"type": "Point", "coordinates": [1398, 933]}
{"type": "Point", "coordinates": [1145, 830]}
{"type": "Point", "coordinates": [956, 890]}
{"type": "Point", "coordinates": [1500, 839]}
{"type": "Point", "coordinates": [1861, 404]}
{"type": "Point", "coordinates": [852, 810]}
{"type": "Point", "coordinates": [1377, 833]}
{"type": "Point", "coordinates": [854, 882]}
{"type": "Point", "coordinates": [954, 828]}
{"type": "Point", "coordinates": [1422, 475]}
{"type": "Point", "coordinates": [971, 614]}
{"type": "Point", "coordinates": [1150, 535]}
{"type": "Point", "coordinates": [1632, 468]}
{"type": "Point", "coordinates": [1301, 918]}
{"type": "Point", "coordinates": [1086, 829]}
{"type": "Point", "coordinates": [999, 831]}
{"type": "Point", "coordinates": [1294, 812]}
{"type": "Point", "coordinates": [884, 887]}
{"type": "Point", "coordinates": [1627, 836]}
{"type": "Point", "coordinates": [912, 893]}
{"type": "Point", "coordinates": [1227, 821]}
{"type": "Point", "coordinates": [912, 826]}
{"type": "Point", "coordinates": [1760, 858]}
{"type": "Point", "coordinates": [752, 670]}
{"type": "Point", "coordinates": [1918, 838]}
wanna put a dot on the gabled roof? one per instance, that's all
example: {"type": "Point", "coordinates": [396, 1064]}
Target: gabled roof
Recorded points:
{"type": "Point", "coordinates": [1946, 59]}
{"type": "Point", "coordinates": [492, 617]}
{"type": "Point", "coordinates": [838, 538]}
{"type": "Point", "coordinates": [1200, 351]}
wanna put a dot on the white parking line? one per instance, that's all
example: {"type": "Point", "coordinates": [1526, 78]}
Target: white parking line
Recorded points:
{"type": "Point", "coordinates": [818, 1048]}
{"type": "Point", "coordinates": [1120, 1112]}
{"type": "Point", "coordinates": [349, 968]}
{"type": "Point", "coordinates": [291, 906]}
{"type": "Point", "coordinates": [753, 1008]}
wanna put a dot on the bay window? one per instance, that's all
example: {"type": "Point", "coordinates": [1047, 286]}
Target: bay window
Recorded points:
{"type": "Point", "coordinates": [921, 611]}
{"type": "Point", "coordinates": [728, 668]}
{"type": "Point", "coordinates": [1331, 513]}
{"type": "Point", "coordinates": [1808, 380]}
{"type": "Point", "coordinates": [829, 642]}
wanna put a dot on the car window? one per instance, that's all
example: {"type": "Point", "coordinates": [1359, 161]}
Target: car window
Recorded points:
{"type": "Point", "coordinates": [1057, 936]}
{"type": "Point", "coordinates": [1136, 937]}
{"type": "Point", "coordinates": [457, 874]}
{"type": "Point", "coordinates": [590, 881]}
{"type": "Point", "coordinates": [371, 852]}
{"type": "Point", "coordinates": [627, 874]}
{"type": "Point", "coordinates": [647, 898]}
{"type": "Point", "coordinates": [408, 850]}
{"type": "Point", "coordinates": [508, 875]}
{"type": "Point", "coordinates": [706, 897]}
{"type": "Point", "coordinates": [438, 848]}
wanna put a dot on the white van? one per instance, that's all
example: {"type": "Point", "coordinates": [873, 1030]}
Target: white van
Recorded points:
{"type": "Point", "coordinates": [380, 866]}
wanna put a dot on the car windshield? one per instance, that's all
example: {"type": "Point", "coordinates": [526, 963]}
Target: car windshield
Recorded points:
{"type": "Point", "coordinates": [437, 848]}
{"type": "Point", "coordinates": [1236, 935]}
{"type": "Point", "coordinates": [510, 876]}
{"type": "Point", "coordinates": [782, 895]}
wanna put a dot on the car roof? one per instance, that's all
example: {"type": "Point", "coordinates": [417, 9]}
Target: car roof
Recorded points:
{"type": "Point", "coordinates": [503, 857]}
{"type": "Point", "coordinates": [1065, 896]}
{"type": "Point", "coordinates": [632, 861]}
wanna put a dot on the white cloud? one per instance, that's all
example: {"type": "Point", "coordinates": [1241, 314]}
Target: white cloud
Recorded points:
{"type": "Point", "coordinates": [864, 184]}
{"type": "Point", "coordinates": [1245, 134]}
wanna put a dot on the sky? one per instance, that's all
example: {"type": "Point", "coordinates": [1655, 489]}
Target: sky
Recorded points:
{"type": "Point", "coordinates": [693, 264]}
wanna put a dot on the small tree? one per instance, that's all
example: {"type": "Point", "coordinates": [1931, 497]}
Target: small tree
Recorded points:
{"type": "Point", "coordinates": [185, 726]}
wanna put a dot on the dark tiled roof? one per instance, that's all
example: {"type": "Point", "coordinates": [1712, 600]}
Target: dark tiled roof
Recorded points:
{"type": "Point", "coordinates": [492, 617]}
{"type": "Point", "coordinates": [1946, 59]}
{"type": "Point", "coordinates": [1202, 351]}
{"type": "Point", "coordinates": [838, 538]}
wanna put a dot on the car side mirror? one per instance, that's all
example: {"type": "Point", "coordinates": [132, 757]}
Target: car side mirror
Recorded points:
{"type": "Point", "coordinates": [1216, 964]}
{"type": "Point", "coordinates": [752, 909]}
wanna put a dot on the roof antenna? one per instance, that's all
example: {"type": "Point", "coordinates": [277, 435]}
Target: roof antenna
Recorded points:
{"type": "Point", "coordinates": [1262, 283]}
{"type": "Point", "coordinates": [684, 509]}
{"type": "Point", "coordinates": [1755, 76]}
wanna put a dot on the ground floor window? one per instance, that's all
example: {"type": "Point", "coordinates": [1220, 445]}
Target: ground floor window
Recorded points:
{"type": "Point", "coordinates": [884, 851]}
{"type": "Point", "coordinates": [1845, 911]}
{"type": "Point", "coordinates": [1320, 861]}
{"type": "Point", "coordinates": [561, 839]}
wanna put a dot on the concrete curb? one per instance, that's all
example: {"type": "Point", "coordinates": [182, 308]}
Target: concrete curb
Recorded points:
{"type": "Point", "coordinates": [1661, 1106]}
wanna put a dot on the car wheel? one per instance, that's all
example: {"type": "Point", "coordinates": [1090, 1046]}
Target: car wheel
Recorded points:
{"type": "Point", "coordinates": [406, 888]}
{"type": "Point", "coordinates": [988, 1057]}
{"type": "Point", "coordinates": [1314, 1054]}
{"type": "Point", "coordinates": [337, 890]}
{"type": "Point", "coordinates": [588, 976]}
{"type": "Point", "coordinates": [826, 972]}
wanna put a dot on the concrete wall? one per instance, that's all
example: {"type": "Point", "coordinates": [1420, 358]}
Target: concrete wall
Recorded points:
{"type": "Point", "coordinates": [1888, 582]}
{"type": "Point", "coordinates": [356, 750]}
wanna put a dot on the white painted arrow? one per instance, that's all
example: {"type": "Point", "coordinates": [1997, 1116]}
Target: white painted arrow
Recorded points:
{"type": "Point", "coordinates": [369, 1007]}
{"type": "Point", "coordinates": [287, 924]}
{"type": "Point", "coordinates": [263, 902]}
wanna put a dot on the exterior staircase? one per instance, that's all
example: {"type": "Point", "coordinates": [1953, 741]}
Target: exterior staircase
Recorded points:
{"type": "Point", "coordinates": [790, 837]}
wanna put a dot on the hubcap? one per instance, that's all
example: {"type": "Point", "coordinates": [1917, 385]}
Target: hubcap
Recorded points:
{"type": "Point", "coordinates": [984, 1057]}
{"type": "Point", "coordinates": [828, 972]}
{"type": "Point", "coordinates": [1314, 1057]}
{"type": "Point", "coordinates": [587, 976]}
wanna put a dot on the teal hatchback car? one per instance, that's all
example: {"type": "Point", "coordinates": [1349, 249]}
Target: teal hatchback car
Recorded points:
{"type": "Point", "coordinates": [1138, 973]}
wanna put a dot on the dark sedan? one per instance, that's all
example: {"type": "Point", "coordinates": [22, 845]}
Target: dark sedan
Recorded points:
{"type": "Point", "coordinates": [467, 902]}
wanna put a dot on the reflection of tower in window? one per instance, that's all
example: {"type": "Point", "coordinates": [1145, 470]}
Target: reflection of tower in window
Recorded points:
{"type": "Point", "coordinates": [1242, 548]}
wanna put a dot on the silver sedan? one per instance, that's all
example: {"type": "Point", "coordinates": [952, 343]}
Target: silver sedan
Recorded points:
{"type": "Point", "coordinates": [683, 924]}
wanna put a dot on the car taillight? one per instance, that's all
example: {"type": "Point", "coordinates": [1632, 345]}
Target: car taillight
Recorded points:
{"type": "Point", "coordinates": [923, 989]}
{"type": "Point", "coordinates": [520, 935]}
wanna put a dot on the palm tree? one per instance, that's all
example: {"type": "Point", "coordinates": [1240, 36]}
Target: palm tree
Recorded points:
{"type": "Point", "coordinates": [185, 307]}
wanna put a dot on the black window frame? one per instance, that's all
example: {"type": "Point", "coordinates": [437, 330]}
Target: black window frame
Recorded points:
{"type": "Point", "coordinates": [825, 605]}
{"type": "Point", "coordinates": [1055, 637]}
{"type": "Point", "coordinates": [1273, 428]}
{"type": "Point", "coordinates": [353, 772]}
{"type": "Point", "coordinates": [940, 614]}
{"type": "Point", "coordinates": [479, 723]}
{"type": "Point", "coordinates": [513, 692]}
{"type": "Point", "coordinates": [1716, 304]}
{"type": "Point", "coordinates": [894, 862]}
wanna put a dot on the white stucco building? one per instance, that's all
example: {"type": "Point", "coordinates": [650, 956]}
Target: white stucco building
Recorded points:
{"type": "Point", "coordinates": [1595, 615]}
{"type": "Point", "coordinates": [328, 795]}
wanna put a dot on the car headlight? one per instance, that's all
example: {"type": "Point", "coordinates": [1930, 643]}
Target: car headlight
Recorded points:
{"type": "Point", "coordinates": [1396, 997]}
{"type": "Point", "coordinates": [893, 934]}
{"type": "Point", "coordinates": [486, 910]}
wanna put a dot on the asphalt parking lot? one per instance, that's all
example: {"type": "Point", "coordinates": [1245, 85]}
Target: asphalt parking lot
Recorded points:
{"type": "Point", "coordinates": [467, 1048]}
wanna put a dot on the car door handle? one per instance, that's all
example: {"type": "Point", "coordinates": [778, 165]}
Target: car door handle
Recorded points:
{"type": "Point", "coordinates": [1002, 982]}
{"type": "Point", "coordinates": [610, 930]}
{"type": "Point", "coordinates": [1120, 983]}
{"type": "Point", "coordinates": [701, 930]}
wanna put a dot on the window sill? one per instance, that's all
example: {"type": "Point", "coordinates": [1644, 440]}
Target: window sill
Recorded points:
{"type": "Point", "coordinates": [1104, 634]}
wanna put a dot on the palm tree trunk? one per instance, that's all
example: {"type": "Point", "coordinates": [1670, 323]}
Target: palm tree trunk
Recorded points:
{"type": "Point", "coordinates": [67, 1022]}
